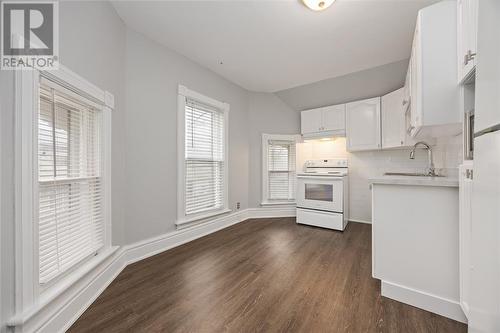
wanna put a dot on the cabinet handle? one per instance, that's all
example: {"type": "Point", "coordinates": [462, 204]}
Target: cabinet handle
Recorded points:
{"type": "Point", "coordinates": [402, 143]}
{"type": "Point", "coordinates": [468, 57]}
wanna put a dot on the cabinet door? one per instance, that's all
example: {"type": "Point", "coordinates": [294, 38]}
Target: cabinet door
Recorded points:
{"type": "Point", "coordinates": [415, 80]}
{"type": "Point", "coordinates": [407, 89]}
{"type": "Point", "coordinates": [393, 119]}
{"type": "Point", "coordinates": [333, 118]}
{"type": "Point", "coordinates": [467, 36]}
{"type": "Point", "coordinates": [409, 130]}
{"type": "Point", "coordinates": [407, 100]}
{"type": "Point", "coordinates": [465, 233]}
{"type": "Point", "coordinates": [310, 121]}
{"type": "Point", "coordinates": [363, 125]}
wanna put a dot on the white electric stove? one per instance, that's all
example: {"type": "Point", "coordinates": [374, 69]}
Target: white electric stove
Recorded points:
{"type": "Point", "coordinates": [322, 194]}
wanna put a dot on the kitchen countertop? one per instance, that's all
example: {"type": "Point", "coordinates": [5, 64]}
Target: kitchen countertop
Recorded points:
{"type": "Point", "coordinates": [415, 181]}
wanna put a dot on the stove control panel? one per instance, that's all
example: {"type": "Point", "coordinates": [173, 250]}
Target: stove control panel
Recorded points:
{"type": "Point", "coordinates": [328, 163]}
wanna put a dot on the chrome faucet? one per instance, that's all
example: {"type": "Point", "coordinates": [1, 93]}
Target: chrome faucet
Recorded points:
{"type": "Point", "coordinates": [432, 170]}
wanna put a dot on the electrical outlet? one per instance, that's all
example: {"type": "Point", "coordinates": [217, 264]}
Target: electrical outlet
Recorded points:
{"type": "Point", "coordinates": [237, 205]}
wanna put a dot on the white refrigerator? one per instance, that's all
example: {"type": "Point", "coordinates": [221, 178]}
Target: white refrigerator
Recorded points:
{"type": "Point", "coordinates": [484, 315]}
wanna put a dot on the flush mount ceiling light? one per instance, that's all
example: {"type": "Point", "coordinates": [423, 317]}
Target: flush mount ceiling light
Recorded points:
{"type": "Point", "coordinates": [318, 5]}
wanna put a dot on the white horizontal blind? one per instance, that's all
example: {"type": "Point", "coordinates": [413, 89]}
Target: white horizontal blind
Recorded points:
{"type": "Point", "coordinates": [281, 169]}
{"type": "Point", "coordinates": [70, 219]}
{"type": "Point", "coordinates": [204, 157]}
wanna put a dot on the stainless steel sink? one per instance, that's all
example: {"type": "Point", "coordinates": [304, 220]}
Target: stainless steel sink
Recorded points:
{"type": "Point", "coordinates": [411, 174]}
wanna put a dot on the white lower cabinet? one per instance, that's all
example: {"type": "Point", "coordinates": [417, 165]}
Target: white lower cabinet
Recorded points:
{"type": "Point", "coordinates": [465, 227]}
{"type": "Point", "coordinates": [415, 244]}
{"type": "Point", "coordinates": [363, 125]}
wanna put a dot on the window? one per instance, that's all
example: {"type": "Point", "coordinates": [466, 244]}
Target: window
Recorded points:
{"type": "Point", "coordinates": [203, 170]}
{"type": "Point", "coordinates": [62, 177]}
{"type": "Point", "coordinates": [70, 197]}
{"type": "Point", "coordinates": [278, 179]}
{"type": "Point", "coordinates": [63, 183]}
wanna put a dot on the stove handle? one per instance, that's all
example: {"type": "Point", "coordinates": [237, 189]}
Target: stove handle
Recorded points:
{"type": "Point", "coordinates": [334, 178]}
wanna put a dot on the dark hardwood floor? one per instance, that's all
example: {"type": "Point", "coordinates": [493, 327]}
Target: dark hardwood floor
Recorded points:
{"type": "Point", "coordinates": [267, 275]}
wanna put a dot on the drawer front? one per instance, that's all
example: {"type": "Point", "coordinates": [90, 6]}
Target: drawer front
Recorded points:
{"type": "Point", "coordinates": [320, 219]}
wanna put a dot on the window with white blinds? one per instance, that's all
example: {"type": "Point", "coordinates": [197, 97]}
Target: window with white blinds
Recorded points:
{"type": "Point", "coordinates": [204, 158]}
{"type": "Point", "coordinates": [279, 185]}
{"type": "Point", "coordinates": [70, 206]}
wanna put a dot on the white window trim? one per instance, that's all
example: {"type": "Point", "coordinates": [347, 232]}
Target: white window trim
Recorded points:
{"type": "Point", "coordinates": [265, 182]}
{"type": "Point", "coordinates": [184, 93]}
{"type": "Point", "coordinates": [30, 295]}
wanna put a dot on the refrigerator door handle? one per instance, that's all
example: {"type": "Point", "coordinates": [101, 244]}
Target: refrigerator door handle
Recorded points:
{"type": "Point", "coordinates": [491, 129]}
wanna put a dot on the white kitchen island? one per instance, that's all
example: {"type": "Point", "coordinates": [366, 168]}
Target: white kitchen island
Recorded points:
{"type": "Point", "coordinates": [415, 249]}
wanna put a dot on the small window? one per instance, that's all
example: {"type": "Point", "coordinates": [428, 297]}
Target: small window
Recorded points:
{"type": "Point", "coordinates": [278, 169]}
{"type": "Point", "coordinates": [204, 158]}
{"type": "Point", "coordinates": [203, 172]}
{"type": "Point", "coordinates": [70, 194]}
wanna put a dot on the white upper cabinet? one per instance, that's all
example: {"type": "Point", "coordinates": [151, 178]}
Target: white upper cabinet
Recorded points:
{"type": "Point", "coordinates": [393, 119]}
{"type": "Point", "coordinates": [363, 125]}
{"type": "Point", "coordinates": [466, 37]}
{"type": "Point", "coordinates": [328, 120]}
{"type": "Point", "coordinates": [310, 121]}
{"type": "Point", "coordinates": [334, 118]}
{"type": "Point", "coordinates": [415, 112]}
{"type": "Point", "coordinates": [434, 93]}
{"type": "Point", "coordinates": [407, 89]}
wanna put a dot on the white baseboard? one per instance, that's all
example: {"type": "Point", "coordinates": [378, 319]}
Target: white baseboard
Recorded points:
{"type": "Point", "coordinates": [360, 221]}
{"type": "Point", "coordinates": [62, 312]}
{"type": "Point", "coordinates": [77, 305]}
{"type": "Point", "coordinates": [435, 304]}
{"type": "Point", "coordinates": [271, 211]}
{"type": "Point", "coordinates": [155, 245]}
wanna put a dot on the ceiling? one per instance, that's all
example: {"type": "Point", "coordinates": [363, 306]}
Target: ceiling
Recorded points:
{"type": "Point", "coordinates": [269, 46]}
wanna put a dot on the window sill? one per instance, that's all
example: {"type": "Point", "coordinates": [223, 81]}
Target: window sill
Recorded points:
{"type": "Point", "coordinates": [203, 216]}
{"type": "Point", "coordinates": [61, 286]}
{"type": "Point", "coordinates": [278, 203]}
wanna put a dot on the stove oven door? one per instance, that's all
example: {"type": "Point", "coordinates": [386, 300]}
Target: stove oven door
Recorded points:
{"type": "Point", "coordinates": [320, 192]}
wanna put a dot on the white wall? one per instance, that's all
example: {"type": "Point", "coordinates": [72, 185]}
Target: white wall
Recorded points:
{"type": "Point", "coordinates": [369, 164]}
{"type": "Point", "coordinates": [153, 74]}
{"type": "Point", "coordinates": [266, 114]}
